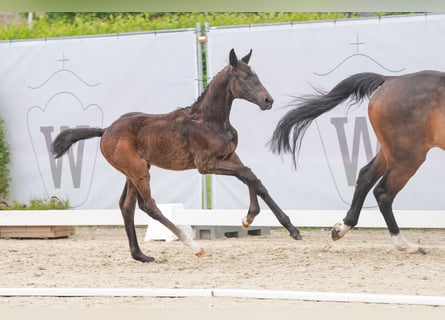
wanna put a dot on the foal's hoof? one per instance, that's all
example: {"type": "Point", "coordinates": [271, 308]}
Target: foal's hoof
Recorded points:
{"type": "Point", "coordinates": [296, 235]}
{"type": "Point", "coordinates": [200, 253]}
{"type": "Point", "coordinates": [244, 223]}
{"type": "Point", "coordinates": [143, 258]}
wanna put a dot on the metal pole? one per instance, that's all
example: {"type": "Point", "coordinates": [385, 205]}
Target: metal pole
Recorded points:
{"type": "Point", "coordinates": [209, 184]}
{"type": "Point", "coordinates": [204, 184]}
{"type": "Point", "coordinates": [30, 19]}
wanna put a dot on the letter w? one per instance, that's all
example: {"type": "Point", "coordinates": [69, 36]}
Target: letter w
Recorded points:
{"type": "Point", "coordinates": [350, 160]}
{"type": "Point", "coordinates": [56, 164]}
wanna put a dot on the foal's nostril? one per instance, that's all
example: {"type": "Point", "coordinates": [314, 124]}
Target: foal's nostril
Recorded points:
{"type": "Point", "coordinates": [269, 100]}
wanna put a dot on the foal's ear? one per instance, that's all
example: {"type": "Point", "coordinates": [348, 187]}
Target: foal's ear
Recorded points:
{"type": "Point", "coordinates": [233, 58]}
{"type": "Point", "coordinates": [246, 58]}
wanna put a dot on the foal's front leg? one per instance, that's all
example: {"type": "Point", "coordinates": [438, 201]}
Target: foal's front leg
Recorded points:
{"type": "Point", "coordinates": [234, 167]}
{"type": "Point", "coordinates": [254, 207]}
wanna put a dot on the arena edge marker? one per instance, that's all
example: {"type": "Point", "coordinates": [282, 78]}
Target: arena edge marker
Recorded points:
{"type": "Point", "coordinates": [226, 293]}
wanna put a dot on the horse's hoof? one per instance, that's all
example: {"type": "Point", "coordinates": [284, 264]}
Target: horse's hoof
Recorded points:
{"type": "Point", "coordinates": [339, 230]}
{"type": "Point", "coordinates": [335, 234]}
{"type": "Point", "coordinates": [403, 245]}
{"type": "Point", "coordinates": [419, 251]}
{"type": "Point", "coordinates": [200, 253]}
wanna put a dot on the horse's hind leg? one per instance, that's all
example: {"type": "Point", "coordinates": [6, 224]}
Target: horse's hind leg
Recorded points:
{"type": "Point", "coordinates": [385, 191]}
{"type": "Point", "coordinates": [127, 205]}
{"type": "Point", "coordinates": [367, 178]}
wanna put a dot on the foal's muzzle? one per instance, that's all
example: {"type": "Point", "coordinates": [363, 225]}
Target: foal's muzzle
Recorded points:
{"type": "Point", "coordinates": [267, 103]}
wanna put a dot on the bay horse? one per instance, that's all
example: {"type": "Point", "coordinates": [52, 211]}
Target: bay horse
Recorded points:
{"type": "Point", "coordinates": [195, 137]}
{"type": "Point", "coordinates": [407, 114]}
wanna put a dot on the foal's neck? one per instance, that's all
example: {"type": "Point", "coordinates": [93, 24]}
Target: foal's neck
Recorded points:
{"type": "Point", "coordinates": [215, 103]}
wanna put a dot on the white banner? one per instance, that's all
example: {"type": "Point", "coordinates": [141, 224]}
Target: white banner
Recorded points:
{"type": "Point", "coordinates": [290, 59]}
{"type": "Point", "coordinates": [47, 85]}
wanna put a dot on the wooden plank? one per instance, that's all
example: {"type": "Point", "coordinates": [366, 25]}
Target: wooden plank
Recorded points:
{"type": "Point", "coordinates": [36, 232]}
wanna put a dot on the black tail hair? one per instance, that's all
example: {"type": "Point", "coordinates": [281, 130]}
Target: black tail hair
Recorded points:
{"type": "Point", "coordinates": [70, 136]}
{"type": "Point", "coordinates": [355, 87]}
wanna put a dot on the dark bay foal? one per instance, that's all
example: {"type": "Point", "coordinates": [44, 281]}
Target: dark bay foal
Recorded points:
{"type": "Point", "coordinates": [197, 137]}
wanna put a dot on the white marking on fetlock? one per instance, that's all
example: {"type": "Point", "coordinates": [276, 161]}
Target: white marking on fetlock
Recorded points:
{"type": "Point", "coordinates": [245, 223]}
{"type": "Point", "coordinates": [404, 245]}
{"type": "Point", "coordinates": [188, 240]}
{"type": "Point", "coordinates": [341, 229]}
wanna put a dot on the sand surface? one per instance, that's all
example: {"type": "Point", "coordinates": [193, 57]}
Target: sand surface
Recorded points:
{"type": "Point", "coordinates": [98, 257]}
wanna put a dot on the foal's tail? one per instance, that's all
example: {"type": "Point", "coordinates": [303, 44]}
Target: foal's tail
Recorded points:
{"type": "Point", "coordinates": [356, 87]}
{"type": "Point", "coordinates": [68, 137]}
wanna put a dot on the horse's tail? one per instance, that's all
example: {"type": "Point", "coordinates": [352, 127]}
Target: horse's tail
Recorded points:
{"type": "Point", "coordinates": [68, 137]}
{"type": "Point", "coordinates": [356, 87]}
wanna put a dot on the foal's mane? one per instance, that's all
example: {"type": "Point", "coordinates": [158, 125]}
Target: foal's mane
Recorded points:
{"type": "Point", "coordinates": [211, 83]}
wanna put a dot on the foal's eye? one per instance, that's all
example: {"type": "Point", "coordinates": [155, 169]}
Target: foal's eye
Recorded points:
{"type": "Point", "coordinates": [245, 76]}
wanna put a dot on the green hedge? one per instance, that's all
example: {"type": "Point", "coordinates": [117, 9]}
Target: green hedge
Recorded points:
{"type": "Point", "coordinates": [73, 24]}
{"type": "Point", "coordinates": [52, 203]}
{"type": "Point", "coordinates": [4, 163]}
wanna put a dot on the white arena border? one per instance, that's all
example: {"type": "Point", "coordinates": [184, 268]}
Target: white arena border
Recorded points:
{"type": "Point", "coordinates": [226, 293]}
{"type": "Point", "coordinates": [218, 217]}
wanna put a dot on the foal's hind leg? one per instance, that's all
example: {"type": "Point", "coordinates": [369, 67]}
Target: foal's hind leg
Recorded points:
{"type": "Point", "coordinates": [367, 177]}
{"type": "Point", "coordinates": [141, 181]}
{"type": "Point", "coordinates": [385, 191]}
{"type": "Point", "coordinates": [127, 205]}
{"type": "Point", "coordinates": [138, 180]}
{"type": "Point", "coordinates": [148, 205]}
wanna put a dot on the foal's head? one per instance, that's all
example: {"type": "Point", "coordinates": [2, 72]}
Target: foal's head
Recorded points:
{"type": "Point", "coordinates": [245, 83]}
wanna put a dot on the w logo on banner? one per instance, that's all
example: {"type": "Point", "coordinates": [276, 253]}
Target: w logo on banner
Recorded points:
{"type": "Point", "coordinates": [69, 177]}
{"type": "Point", "coordinates": [75, 158]}
{"type": "Point", "coordinates": [349, 144]}
{"type": "Point", "coordinates": [350, 156]}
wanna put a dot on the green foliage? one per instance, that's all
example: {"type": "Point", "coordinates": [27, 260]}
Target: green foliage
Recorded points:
{"type": "Point", "coordinates": [41, 204]}
{"type": "Point", "coordinates": [4, 162]}
{"type": "Point", "coordinates": [62, 24]}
